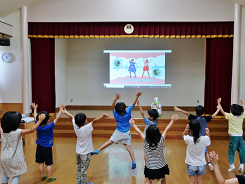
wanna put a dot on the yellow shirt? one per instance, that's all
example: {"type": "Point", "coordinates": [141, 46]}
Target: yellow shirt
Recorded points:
{"type": "Point", "coordinates": [235, 123]}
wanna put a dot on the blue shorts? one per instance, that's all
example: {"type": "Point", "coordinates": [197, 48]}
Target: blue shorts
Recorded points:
{"type": "Point", "coordinates": [196, 170]}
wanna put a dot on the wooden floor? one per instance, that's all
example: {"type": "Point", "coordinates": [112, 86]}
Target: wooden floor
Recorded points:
{"type": "Point", "coordinates": [113, 165]}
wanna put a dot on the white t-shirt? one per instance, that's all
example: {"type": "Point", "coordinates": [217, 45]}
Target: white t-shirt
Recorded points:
{"type": "Point", "coordinates": [84, 138]}
{"type": "Point", "coordinates": [195, 153]}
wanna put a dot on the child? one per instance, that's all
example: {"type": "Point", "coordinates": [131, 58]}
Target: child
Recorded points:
{"type": "Point", "coordinates": [196, 145]}
{"type": "Point", "coordinates": [151, 118]}
{"type": "Point", "coordinates": [240, 179]}
{"type": "Point", "coordinates": [84, 145]}
{"type": "Point", "coordinates": [45, 141]}
{"type": "Point", "coordinates": [146, 67]}
{"type": "Point", "coordinates": [235, 119]}
{"type": "Point", "coordinates": [132, 67]}
{"type": "Point", "coordinates": [203, 122]}
{"type": "Point", "coordinates": [156, 167]}
{"type": "Point", "coordinates": [122, 132]}
{"type": "Point", "coordinates": [12, 162]}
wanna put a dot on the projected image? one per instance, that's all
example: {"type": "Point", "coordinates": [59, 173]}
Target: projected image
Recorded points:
{"type": "Point", "coordinates": [138, 68]}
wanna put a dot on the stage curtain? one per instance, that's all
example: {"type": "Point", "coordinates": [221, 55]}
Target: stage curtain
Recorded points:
{"type": "Point", "coordinates": [141, 30]}
{"type": "Point", "coordinates": [218, 73]}
{"type": "Point", "coordinates": [43, 73]}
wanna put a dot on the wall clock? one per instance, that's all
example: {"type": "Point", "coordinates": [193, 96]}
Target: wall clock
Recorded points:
{"type": "Point", "coordinates": [6, 57]}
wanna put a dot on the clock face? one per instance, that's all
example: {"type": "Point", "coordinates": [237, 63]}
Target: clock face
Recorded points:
{"type": "Point", "coordinates": [6, 57]}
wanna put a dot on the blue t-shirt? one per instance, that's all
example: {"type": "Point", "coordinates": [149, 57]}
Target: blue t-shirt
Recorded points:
{"type": "Point", "coordinates": [45, 136]}
{"type": "Point", "coordinates": [148, 123]}
{"type": "Point", "coordinates": [123, 121]}
{"type": "Point", "coordinates": [203, 122]}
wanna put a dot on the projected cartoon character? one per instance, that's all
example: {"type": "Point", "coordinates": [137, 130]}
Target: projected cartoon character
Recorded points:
{"type": "Point", "coordinates": [146, 67]}
{"type": "Point", "coordinates": [132, 67]}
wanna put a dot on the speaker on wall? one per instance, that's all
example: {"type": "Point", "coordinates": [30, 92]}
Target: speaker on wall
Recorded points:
{"type": "Point", "coordinates": [4, 42]}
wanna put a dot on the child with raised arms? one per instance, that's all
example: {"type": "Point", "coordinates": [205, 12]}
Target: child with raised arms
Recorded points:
{"type": "Point", "coordinates": [45, 142]}
{"type": "Point", "coordinates": [155, 167]}
{"type": "Point", "coordinates": [204, 120]}
{"type": "Point", "coordinates": [84, 145]}
{"type": "Point", "coordinates": [235, 120]}
{"type": "Point", "coordinates": [12, 160]}
{"type": "Point", "coordinates": [122, 132]}
{"type": "Point", "coordinates": [196, 145]}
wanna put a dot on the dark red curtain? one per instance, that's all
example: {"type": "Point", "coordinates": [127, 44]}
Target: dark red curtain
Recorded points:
{"type": "Point", "coordinates": [141, 30]}
{"type": "Point", "coordinates": [218, 74]}
{"type": "Point", "coordinates": [43, 73]}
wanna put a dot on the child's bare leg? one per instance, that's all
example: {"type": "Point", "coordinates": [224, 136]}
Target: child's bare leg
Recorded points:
{"type": "Point", "coordinates": [145, 158]}
{"type": "Point", "coordinates": [131, 152]}
{"type": "Point", "coordinates": [49, 171]}
{"type": "Point", "coordinates": [148, 181]}
{"type": "Point", "coordinates": [41, 169]}
{"type": "Point", "coordinates": [163, 181]}
{"type": "Point", "coordinates": [192, 179]}
{"type": "Point", "coordinates": [199, 179]}
{"type": "Point", "coordinates": [148, 74]}
{"type": "Point", "coordinates": [105, 145]}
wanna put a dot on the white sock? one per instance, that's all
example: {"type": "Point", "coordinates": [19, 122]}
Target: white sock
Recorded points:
{"type": "Point", "coordinates": [241, 165]}
{"type": "Point", "coordinates": [232, 167]}
{"type": "Point", "coordinates": [241, 168]}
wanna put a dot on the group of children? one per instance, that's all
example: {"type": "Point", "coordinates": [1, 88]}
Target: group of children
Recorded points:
{"type": "Point", "coordinates": [12, 160]}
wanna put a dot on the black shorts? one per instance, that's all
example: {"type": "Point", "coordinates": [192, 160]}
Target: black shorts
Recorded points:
{"type": "Point", "coordinates": [156, 173]}
{"type": "Point", "coordinates": [44, 154]}
{"type": "Point", "coordinates": [241, 178]}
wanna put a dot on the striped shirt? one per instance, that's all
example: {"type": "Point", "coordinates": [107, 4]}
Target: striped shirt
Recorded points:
{"type": "Point", "coordinates": [235, 123]}
{"type": "Point", "coordinates": [155, 157]}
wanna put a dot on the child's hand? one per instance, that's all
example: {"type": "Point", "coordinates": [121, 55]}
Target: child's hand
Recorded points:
{"type": "Point", "coordinates": [138, 102]}
{"type": "Point", "coordinates": [138, 93]}
{"type": "Point", "coordinates": [62, 106]}
{"type": "Point", "coordinates": [105, 115]}
{"type": "Point", "coordinates": [219, 100]}
{"type": "Point", "coordinates": [62, 110]}
{"type": "Point", "coordinates": [118, 96]}
{"type": "Point", "coordinates": [41, 117]}
{"type": "Point", "coordinates": [241, 101]}
{"type": "Point", "coordinates": [207, 131]}
{"type": "Point", "coordinates": [131, 121]}
{"type": "Point", "coordinates": [187, 128]}
{"type": "Point", "coordinates": [34, 106]}
{"type": "Point", "coordinates": [213, 158]}
{"type": "Point", "coordinates": [176, 109]}
{"type": "Point", "coordinates": [175, 117]}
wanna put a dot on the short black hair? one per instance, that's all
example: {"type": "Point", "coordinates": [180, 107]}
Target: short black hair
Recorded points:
{"type": "Point", "coordinates": [120, 107]}
{"type": "Point", "coordinates": [80, 119]}
{"type": "Point", "coordinates": [236, 109]}
{"type": "Point", "coordinates": [200, 110]}
{"type": "Point", "coordinates": [46, 117]}
{"type": "Point", "coordinates": [10, 121]}
{"type": "Point", "coordinates": [153, 113]}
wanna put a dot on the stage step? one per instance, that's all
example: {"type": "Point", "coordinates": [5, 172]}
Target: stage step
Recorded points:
{"type": "Point", "coordinates": [106, 127]}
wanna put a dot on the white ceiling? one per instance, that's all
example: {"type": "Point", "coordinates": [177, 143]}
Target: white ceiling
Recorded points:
{"type": "Point", "coordinates": [10, 6]}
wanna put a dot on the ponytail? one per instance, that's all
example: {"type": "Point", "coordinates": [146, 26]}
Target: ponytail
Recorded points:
{"type": "Point", "coordinates": [195, 128]}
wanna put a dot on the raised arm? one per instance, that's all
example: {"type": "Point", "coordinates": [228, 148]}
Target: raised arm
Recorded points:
{"type": "Point", "coordinates": [156, 105]}
{"type": "Point", "coordinates": [58, 116]}
{"type": "Point", "coordinates": [220, 107]}
{"type": "Point", "coordinates": [41, 117]}
{"type": "Point", "coordinates": [174, 118]}
{"type": "Point", "coordinates": [180, 110]}
{"type": "Point", "coordinates": [208, 133]}
{"type": "Point", "coordinates": [118, 96]}
{"type": "Point", "coordinates": [141, 110]}
{"type": "Point", "coordinates": [216, 112]}
{"type": "Point", "coordinates": [99, 118]}
{"type": "Point", "coordinates": [64, 111]}
{"type": "Point", "coordinates": [186, 131]}
{"type": "Point", "coordinates": [242, 103]}
{"type": "Point", "coordinates": [132, 122]}
{"type": "Point", "coordinates": [34, 106]}
{"type": "Point", "coordinates": [221, 180]}
{"type": "Point", "coordinates": [136, 98]}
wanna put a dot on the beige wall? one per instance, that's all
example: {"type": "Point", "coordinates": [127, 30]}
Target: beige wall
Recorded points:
{"type": "Point", "coordinates": [130, 11]}
{"type": "Point", "coordinates": [88, 69]}
{"type": "Point", "coordinates": [11, 73]}
{"type": "Point", "coordinates": [61, 71]}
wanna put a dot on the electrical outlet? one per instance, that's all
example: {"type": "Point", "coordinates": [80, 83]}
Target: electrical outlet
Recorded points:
{"type": "Point", "coordinates": [197, 101]}
{"type": "Point", "coordinates": [71, 100]}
